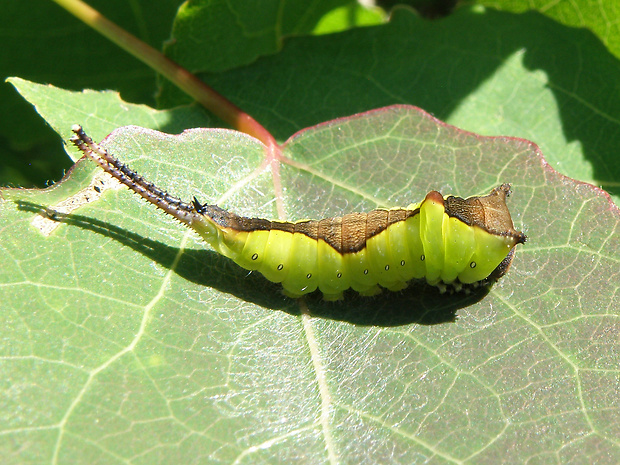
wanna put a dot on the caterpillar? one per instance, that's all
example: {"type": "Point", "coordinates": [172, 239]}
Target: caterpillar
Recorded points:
{"type": "Point", "coordinates": [447, 240]}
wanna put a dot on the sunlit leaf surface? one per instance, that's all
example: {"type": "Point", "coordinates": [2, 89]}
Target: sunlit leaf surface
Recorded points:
{"type": "Point", "coordinates": [126, 340]}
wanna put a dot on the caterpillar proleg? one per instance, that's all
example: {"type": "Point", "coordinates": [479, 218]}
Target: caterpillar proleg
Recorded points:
{"type": "Point", "coordinates": [446, 240]}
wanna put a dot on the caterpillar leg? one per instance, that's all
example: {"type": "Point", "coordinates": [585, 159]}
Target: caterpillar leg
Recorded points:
{"type": "Point", "coordinates": [292, 295]}
{"type": "Point", "coordinates": [333, 297]}
{"type": "Point", "coordinates": [397, 286]}
{"type": "Point", "coordinates": [443, 288]}
{"type": "Point", "coordinates": [370, 291]}
{"type": "Point", "coordinates": [328, 297]}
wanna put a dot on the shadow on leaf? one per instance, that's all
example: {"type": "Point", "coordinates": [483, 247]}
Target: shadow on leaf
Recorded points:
{"type": "Point", "coordinates": [421, 304]}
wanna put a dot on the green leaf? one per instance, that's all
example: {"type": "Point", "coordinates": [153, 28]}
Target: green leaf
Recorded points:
{"type": "Point", "coordinates": [349, 16]}
{"type": "Point", "coordinates": [125, 337]}
{"type": "Point", "coordinates": [599, 17]}
{"type": "Point", "coordinates": [101, 112]}
{"type": "Point", "coordinates": [75, 57]}
{"type": "Point", "coordinates": [211, 36]}
{"type": "Point", "coordinates": [498, 81]}
{"type": "Point", "coordinates": [43, 43]}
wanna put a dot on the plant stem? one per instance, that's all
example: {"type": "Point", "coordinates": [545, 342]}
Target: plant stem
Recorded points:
{"type": "Point", "coordinates": [178, 75]}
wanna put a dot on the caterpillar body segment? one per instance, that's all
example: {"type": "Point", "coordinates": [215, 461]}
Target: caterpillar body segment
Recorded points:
{"type": "Point", "coordinates": [446, 240]}
{"type": "Point", "coordinates": [431, 235]}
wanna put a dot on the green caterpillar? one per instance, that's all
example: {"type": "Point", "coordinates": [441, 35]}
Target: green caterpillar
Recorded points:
{"type": "Point", "coordinates": [446, 240]}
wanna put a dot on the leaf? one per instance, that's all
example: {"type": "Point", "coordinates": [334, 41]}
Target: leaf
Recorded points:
{"type": "Point", "coordinates": [213, 36]}
{"type": "Point", "coordinates": [599, 17]}
{"type": "Point", "coordinates": [499, 80]}
{"type": "Point", "coordinates": [78, 58]}
{"type": "Point", "coordinates": [66, 54]}
{"type": "Point", "coordinates": [196, 361]}
{"type": "Point", "coordinates": [210, 37]}
{"type": "Point", "coordinates": [156, 348]}
{"type": "Point", "coordinates": [73, 56]}
{"type": "Point", "coordinates": [62, 108]}
{"type": "Point", "coordinates": [482, 70]}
